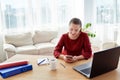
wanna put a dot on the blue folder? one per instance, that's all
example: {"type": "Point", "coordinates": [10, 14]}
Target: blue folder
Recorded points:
{"type": "Point", "coordinates": [15, 70]}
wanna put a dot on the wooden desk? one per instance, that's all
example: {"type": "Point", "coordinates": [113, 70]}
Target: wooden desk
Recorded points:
{"type": "Point", "coordinates": [43, 72]}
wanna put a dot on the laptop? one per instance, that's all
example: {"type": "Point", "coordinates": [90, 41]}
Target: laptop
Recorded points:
{"type": "Point", "coordinates": [102, 62]}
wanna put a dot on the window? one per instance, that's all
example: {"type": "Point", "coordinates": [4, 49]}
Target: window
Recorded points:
{"type": "Point", "coordinates": [107, 19]}
{"type": "Point", "coordinates": [26, 14]}
{"type": "Point", "coordinates": [13, 14]}
{"type": "Point", "coordinates": [118, 11]}
{"type": "Point", "coordinates": [107, 12]}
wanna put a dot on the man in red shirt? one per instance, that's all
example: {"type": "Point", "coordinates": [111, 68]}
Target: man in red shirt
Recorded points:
{"type": "Point", "coordinates": [73, 45]}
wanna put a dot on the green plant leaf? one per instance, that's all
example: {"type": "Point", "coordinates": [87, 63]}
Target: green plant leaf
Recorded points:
{"type": "Point", "coordinates": [85, 29]}
{"type": "Point", "coordinates": [88, 25]}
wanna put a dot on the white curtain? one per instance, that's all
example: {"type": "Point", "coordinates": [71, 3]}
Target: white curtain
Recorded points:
{"type": "Point", "coordinates": [107, 20]}
{"type": "Point", "coordinates": [24, 15]}
{"type": "Point", "coordinates": [34, 14]}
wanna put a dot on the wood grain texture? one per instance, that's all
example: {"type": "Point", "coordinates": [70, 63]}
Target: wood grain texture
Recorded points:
{"type": "Point", "coordinates": [43, 72]}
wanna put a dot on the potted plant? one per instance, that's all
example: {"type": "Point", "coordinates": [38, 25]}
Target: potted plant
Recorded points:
{"type": "Point", "coordinates": [86, 29]}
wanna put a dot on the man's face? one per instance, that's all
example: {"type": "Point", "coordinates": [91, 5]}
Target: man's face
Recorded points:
{"type": "Point", "coordinates": [74, 29]}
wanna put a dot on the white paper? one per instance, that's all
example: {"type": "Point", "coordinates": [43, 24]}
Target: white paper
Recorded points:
{"type": "Point", "coordinates": [46, 61]}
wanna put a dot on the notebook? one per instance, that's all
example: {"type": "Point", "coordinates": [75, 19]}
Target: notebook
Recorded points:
{"type": "Point", "coordinates": [102, 62]}
{"type": "Point", "coordinates": [7, 72]}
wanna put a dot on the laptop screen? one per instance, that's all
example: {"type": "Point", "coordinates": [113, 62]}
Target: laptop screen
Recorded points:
{"type": "Point", "coordinates": [103, 61]}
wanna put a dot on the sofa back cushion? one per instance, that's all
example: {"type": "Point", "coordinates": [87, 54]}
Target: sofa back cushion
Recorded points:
{"type": "Point", "coordinates": [19, 39]}
{"type": "Point", "coordinates": [44, 36]}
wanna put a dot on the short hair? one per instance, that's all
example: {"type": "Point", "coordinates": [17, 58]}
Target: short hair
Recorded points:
{"type": "Point", "coordinates": [76, 21]}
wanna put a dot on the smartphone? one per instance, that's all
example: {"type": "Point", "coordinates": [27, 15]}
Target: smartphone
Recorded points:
{"type": "Point", "coordinates": [69, 57]}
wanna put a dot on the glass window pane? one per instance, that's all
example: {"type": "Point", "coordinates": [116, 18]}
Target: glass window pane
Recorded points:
{"type": "Point", "coordinates": [105, 11]}
{"type": "Point", "coordinates": [118, 11]}
{"type": "Point", "coordinates": [39, 13]}
{"type": "Point", "coordinates": [14, 13]}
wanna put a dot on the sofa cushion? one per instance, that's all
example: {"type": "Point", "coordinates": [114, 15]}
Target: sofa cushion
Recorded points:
{"type": "Point", "coordinates": [44, 36]}
{"type": "Point", "coordinates": [29, 49]}
{"type": "Point", "coordinates": [45, 48]}
{"type": "Point", "coordinates": [19, 39]}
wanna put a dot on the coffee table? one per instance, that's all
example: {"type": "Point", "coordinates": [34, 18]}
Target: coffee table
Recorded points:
{"type": "Point", "coordinates": [42, 72]}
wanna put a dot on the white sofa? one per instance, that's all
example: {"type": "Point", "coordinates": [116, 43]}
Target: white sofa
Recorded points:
{"type": "Point", "coordinates": [41, 43]}
{"type": "Point", "coordinates": [37, 42]}
{"type": "Point", "coordinates": [2, 53]}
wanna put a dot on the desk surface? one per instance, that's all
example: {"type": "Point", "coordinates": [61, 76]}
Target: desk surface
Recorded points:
{"type": "Point", "coordinates": [43, 72]}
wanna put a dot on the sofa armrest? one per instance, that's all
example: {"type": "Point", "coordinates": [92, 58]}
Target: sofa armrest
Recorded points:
{"type": "Point", "coordinates": [108, 45]}
{"type": "Point", "coordinates": [55, 41]}
{"type": "Point", "coordinates": [9, 47]}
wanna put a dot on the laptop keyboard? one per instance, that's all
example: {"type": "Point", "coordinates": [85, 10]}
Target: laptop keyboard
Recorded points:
{"type": "Point", "coordinates": [86, 71]}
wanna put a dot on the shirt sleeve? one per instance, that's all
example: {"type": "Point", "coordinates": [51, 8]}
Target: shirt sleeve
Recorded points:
{"type": "Point", "coordinates": [87, 51]}
{"type": "Point", "coordinates": [59, 46]}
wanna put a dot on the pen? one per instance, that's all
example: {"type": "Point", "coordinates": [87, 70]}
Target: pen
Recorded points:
{"type": "Point", "coordinates": [62, 65]}
{"type": "Point", "coordinates": [41, 61]}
